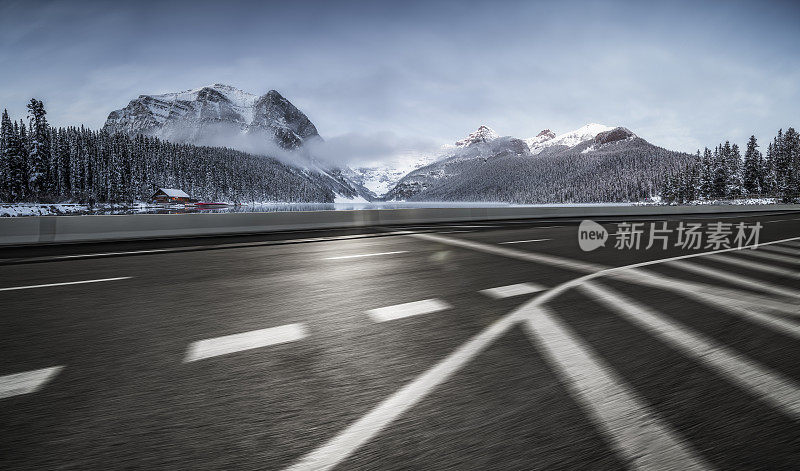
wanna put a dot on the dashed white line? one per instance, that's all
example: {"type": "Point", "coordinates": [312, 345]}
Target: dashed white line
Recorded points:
{"type": "Point", "coordinates": [48, 285]}
{"type": "Point", "coordinates": [635, 430]}
{"type": "Point", "coordinates": [350, 439]}
{"type": "Point", "coordinates": [27, 382]}
{"type": "Point", "coordinates": [245, 341]}
{"type": "Point", "coordinates": [415, 308]}
{"type": "Point", "coordinates": [769, 386]}
{"type": "Point", "coordinates": [524, 241]}
{"type": "Point", "coordinates": [341, 257]}
{"type": "Point", "coordinates": [508, 291]}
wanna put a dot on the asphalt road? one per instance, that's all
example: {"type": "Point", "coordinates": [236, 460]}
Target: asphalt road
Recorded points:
{"type": "Point", "coordinates": [390, 348]}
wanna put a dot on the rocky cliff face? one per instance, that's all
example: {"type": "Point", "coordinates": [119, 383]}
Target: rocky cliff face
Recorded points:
{"type": "Point", "coordinates": [211, 115]}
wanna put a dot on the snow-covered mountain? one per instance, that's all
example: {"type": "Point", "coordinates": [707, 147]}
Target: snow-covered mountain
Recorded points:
{"type": "Point", "coordinates": [483, 134]}
{"type": "Point", "coordinates": [224, 116]}
{"type": "Point", "coordinates": [592, 163]}
{"type": "Point", "coordinates": [208, 114]}
{"type": "Point", "coordinates": [539, 141]}
{"type": "Point", "coordinates": [548, 138]}
{"type": "Point", "coordinates": [380, 177]}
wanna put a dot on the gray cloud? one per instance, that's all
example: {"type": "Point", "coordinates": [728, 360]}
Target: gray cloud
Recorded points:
{"type": "Point", "coordinates": [359, 149]}
{"type": "Point", "coordinates": [681, 74]}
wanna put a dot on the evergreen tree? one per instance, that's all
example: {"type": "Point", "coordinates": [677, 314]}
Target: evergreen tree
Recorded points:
{"type": "Point", "coordinates": [769, 183]}
{"type": "Point", "coordinates": [720, 169]}
{"type": "Point", "coordinates": [735, 188]}
{"type": "Point", "coordinates": [14, 156]}
{"type": "Point", "coordinates": [752, 179]}
{"type": "Point", "coordinates": [39, 182]}
{"type": "Point", "coordinates": [706, 174]}
{"type": "Point", "coordinates": [5, 137]}
{"type": "Point", "coordinates": [781, 166]}
{"type": "Point", "coordinates": [791, 155]}
{"type": "Point", "coordinates": [62, 165]}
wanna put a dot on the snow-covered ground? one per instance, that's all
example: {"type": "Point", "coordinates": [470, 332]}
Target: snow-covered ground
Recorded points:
{"type": "Point", "coordinates": [65, 209]}
{"type": "Point", "coordinates": [12, 210]}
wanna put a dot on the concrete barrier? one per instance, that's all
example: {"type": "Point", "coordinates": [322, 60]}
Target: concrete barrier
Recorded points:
{"type": "Point", "coordinates": [65, 229]}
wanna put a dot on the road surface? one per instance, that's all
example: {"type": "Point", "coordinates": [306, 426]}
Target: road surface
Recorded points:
{"type": "Point", "coordinates": [447, 346]}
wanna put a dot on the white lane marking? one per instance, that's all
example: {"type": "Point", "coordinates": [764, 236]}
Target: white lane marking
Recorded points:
{"type": "Point", "coordinates": [341, 257]}
{"type": "Point", "coordinates": [784, 250]}
{"type": "Point", "coordinates": [771, 256]}
{"type": "Point", "coordinates": [793, 243]}
{"type": "Point", "coordinates": [736, 279]}
{"type": "Point", "coordinates": [732, 260]}
{"type": "Point", "coordinates": [346, 442]}
{"type": "Point", "coordinates": [27, 382]}
{"type": "Point", "coordinates": [415, 308]}
{"type": "Point", "coordinates": [109, 254]}
{"type": "Point", "coordinates": [747, 305]}
{"type": "Point", "coordinates": [453, 232]}
{"type": "Point", "coordinates": [735, 296]}
{"type": "Point", "coordinates": [508, 291]}
{"type": "Point", "coordinates": [635, 430]}
{"type": "Point", "coordinates": [245, 341]}
{"type": "Point", "coordinates": [48, 285]}
{"type": "Point", "coordinates": [524, 241]}
{"type": "Point", "coordinates": [222, 246]}
{"type": "Point", "coordinates": [554, 260]}
{"type": "Point", "coordinates": [778, 220]}
{"type": "Point", "coordinates": [764, 383]}
{"type": "Point", "coordinates": [338, 448]}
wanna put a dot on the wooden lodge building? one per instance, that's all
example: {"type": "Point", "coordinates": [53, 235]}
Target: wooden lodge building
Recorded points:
{"type": "Point", "coordinates": [171, 196]}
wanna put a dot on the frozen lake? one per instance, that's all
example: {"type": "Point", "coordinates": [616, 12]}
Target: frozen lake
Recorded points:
{"type": "Point", "coordinates": [79, 209]}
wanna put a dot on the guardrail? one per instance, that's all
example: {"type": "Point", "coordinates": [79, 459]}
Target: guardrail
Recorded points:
{"type": "Point", "coordinates": [65, 229]}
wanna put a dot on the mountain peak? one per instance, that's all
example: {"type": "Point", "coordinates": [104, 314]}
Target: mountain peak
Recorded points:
{"type": "Point", "coordinates": [207, 113]}
{"type": "Point", "coordinates": [584, 133]}
{"type": "Point", "coordinates": [548, 138]}
{"type": "Point", "coordinates": [482, 134]}
{"type": "Point", "coordinates": [617, 134]}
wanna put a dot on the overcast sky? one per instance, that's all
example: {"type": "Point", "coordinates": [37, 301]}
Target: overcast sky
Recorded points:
{"type": "Point", "coordinates": [682, 75]}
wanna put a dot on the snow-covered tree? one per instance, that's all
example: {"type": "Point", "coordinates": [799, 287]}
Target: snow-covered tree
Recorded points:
{"type": "Point", "coordinates": [734, 188]}
{"type": "Point", "coordinates": [790, 150]}
{"type": "Point", "coordinates": [752, 178]}
{"type": "Point", "coordinates": [39, 183]}
{"type": "Point", "coordinates": [14, 157]}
